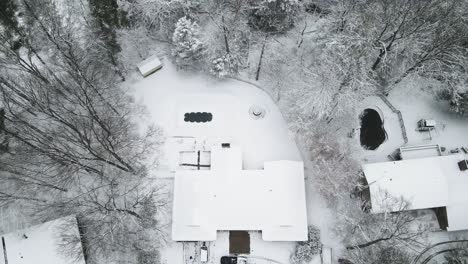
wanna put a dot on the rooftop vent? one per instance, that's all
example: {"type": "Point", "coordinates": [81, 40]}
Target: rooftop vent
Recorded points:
{"type": "Point", "coordinates": [225, 145]}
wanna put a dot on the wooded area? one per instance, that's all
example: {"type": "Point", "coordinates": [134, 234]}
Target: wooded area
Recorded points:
{"type": "Point", "coordinates": [70, 142]}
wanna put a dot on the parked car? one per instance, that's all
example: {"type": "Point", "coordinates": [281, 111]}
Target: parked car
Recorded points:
{"type": "Point", "coordinates": [233, 260]}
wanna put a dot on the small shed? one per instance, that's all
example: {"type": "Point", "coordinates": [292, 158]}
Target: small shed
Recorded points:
{"type": "Point", "coordinates": [426, 124]}
{"type": "Point", "coordinates": [149, 65]}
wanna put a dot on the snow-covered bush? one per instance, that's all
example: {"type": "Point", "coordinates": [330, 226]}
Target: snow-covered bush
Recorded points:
{"type": "Point", "coordinates": [459, 103]}
{"type": "Point", "coordinates": [188, 48]}
{"type": "Point", "coordinates": [273, 15]}
{"type": "Point", "coordinates": [457, 98]}
{"type": "Point", "coordinates": [225, 66]}
{"type": "Point", "coordinates": [306, 250]}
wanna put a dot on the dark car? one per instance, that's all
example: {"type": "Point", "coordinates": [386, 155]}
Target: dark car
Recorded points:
{"type": "Point", "coordinates": [233, 260]}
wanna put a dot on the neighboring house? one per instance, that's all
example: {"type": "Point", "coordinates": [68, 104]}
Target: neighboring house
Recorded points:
{"type": "Point", "coordinates": [431, 182]}
{"type": "Point", "coordinates": [42, 244]}
{"type": "Point", "coordinates": [228, 198]}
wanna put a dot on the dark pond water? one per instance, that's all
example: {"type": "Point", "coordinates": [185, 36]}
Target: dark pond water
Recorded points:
{"type": "Point", "coordinates": [198, 117]}
{"type": "Point", "coordinates": [372, 129]}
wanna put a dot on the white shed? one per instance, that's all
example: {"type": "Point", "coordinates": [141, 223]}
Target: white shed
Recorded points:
{"type": "Point", "coordinates": [149, 65]}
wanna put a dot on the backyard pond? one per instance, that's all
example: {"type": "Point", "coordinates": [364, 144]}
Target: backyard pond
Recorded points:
{"type": "Point", "coordinates": [372, 129]}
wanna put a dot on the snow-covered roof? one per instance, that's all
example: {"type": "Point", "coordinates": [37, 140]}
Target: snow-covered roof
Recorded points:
{"type": "Point", "coordinates": [430, 123]}
{"type": "Point", "coordinates": [228, 198]}
{"type": "Point", "coordinates": [425, 183]}
{"type": "Point", "coordinates": [422, 151]}
{"type": "Point", "coordinates": [149, 65]}
{"type": "Point", "coordinates": [40, 244]}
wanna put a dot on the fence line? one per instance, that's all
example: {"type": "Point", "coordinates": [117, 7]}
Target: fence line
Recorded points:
{"type": "Point", "coordinates": [400, 116]}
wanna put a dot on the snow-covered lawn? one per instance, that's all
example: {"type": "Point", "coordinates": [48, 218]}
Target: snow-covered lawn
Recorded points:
{"type": "Point", "coordinates": [169, 94]}
{"type": "Point", "coordinates": [42, 244]}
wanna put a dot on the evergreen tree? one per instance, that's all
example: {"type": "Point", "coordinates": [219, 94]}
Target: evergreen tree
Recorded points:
{"type": "Point", "coordinates": [226, 65]}
{"type": "Point", "coordinates": [108, 18]}
{"type": "Point", "coordinates": [8, 22]}
{"type": "Point", "coordinates": [188, 48]}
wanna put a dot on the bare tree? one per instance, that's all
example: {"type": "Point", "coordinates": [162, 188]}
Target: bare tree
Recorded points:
{"type": "Point", "coordinates": [406, 36]}
{"type": "Point", "coordinates": [395, 228]}
{"type": "Point", "coordinates": [75, 144]}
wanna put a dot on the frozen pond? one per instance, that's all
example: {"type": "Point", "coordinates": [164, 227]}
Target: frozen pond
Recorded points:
{"type": "Point", "coordinates": [372, 130]}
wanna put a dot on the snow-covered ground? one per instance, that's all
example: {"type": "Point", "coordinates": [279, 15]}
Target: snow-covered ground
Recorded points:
{"type": "Point", "coordinates": [40, 244]}
{"type": "Point", "coordinates": [168, 94]}
{"type": "Point", "coordinates": [416, 100]}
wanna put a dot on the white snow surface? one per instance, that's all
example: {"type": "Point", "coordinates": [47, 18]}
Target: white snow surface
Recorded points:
{"type": "Point", "coordinates": [169, 94]}
{"type": "Point", "coordinates": [40, 244]}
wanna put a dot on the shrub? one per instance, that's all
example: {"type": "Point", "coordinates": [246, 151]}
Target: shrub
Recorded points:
{"type": "Point", "coordinates": [306, 250]}
{"type": "Point", "coordinates": [225, 66]}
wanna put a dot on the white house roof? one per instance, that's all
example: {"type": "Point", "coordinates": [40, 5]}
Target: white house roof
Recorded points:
{"type": "Point", "coordinates": [40, 244]}
{"type": "Point", "coordinates": [425, 183]}
{"type": "Point", "coordinates": [228, 198]}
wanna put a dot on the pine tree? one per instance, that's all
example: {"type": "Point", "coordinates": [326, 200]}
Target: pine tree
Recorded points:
{"type": "Point", "coordinates": [9, 23]}
{"type": "Point", "coordinates": [188, 48]}
{"type": "Point", "coordinates": [108, 17]}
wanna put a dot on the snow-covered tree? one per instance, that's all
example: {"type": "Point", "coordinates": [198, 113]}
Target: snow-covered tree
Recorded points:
{"type": "Point", "coordinates": [400, 37]}
{"type": "Point", "coordinates": [380, 254]}
{"type": "Point", "coordinates": [188, 48]}
{"type": "Point", "coordinates": [459, 103]}
{"type": "Point", "coordinates": [9, 23]}
{"type": "Point", "coordinates": [225, 66]}
{"type": "Point", "coordinates": [108, 17]}
{"type": "Point", "coordinates": [159, 17]}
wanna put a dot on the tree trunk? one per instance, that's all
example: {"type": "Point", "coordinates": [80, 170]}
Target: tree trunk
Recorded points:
{"type": "Point", "coordinates": [370, 243]}
{"type": "Point", "coordinates": [225, 32]}
{"type": "Point", "coordinates": [259, 67]}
